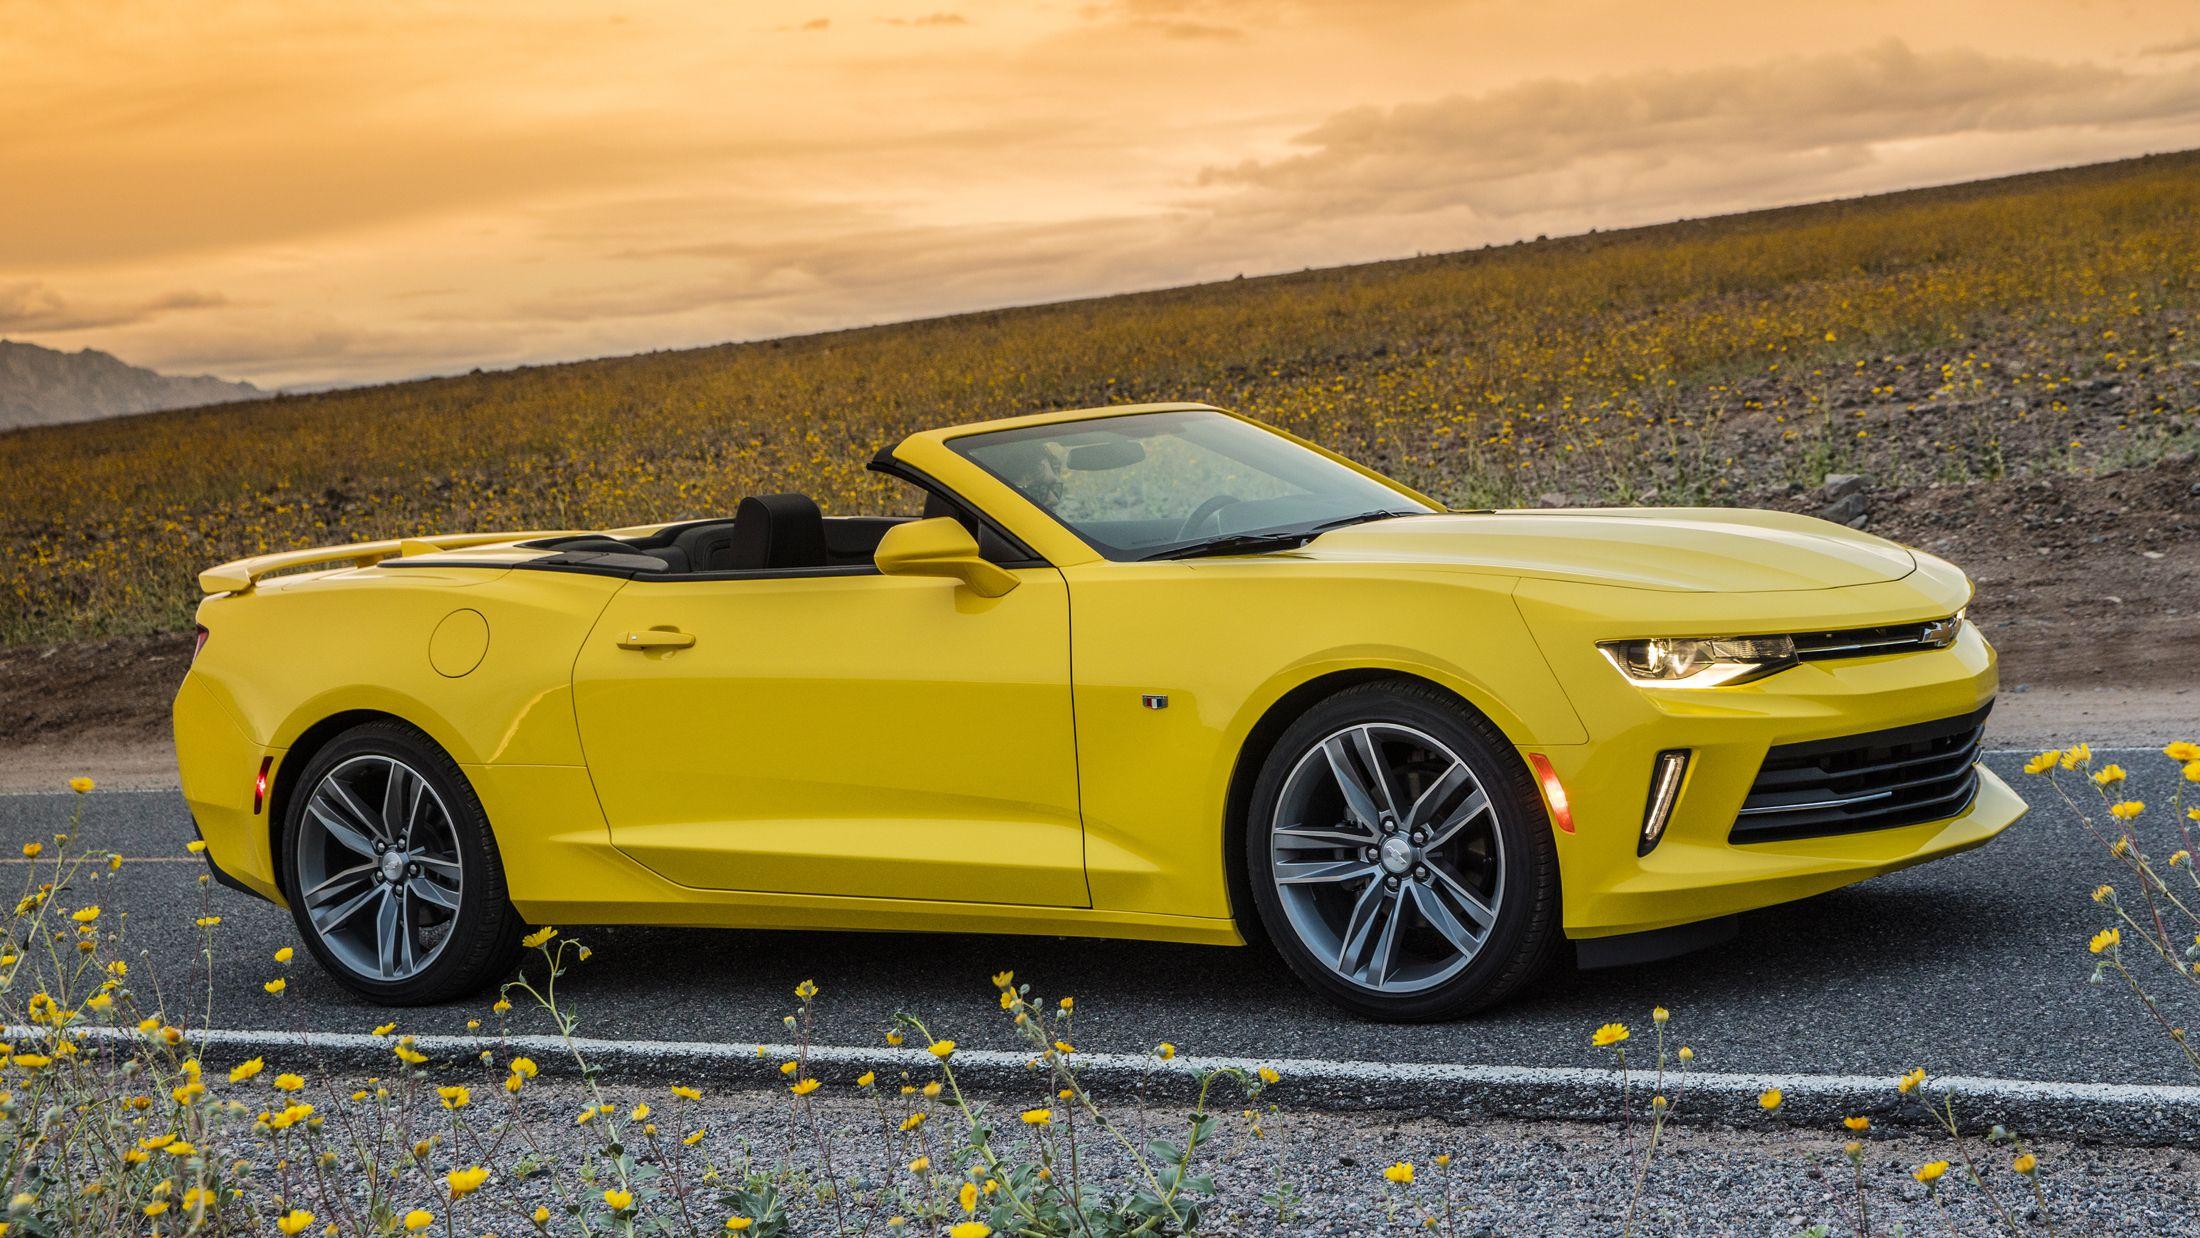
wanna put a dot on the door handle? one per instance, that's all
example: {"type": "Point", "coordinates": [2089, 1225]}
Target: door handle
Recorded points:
{"type": "Point", "coordinates": [657, 638]}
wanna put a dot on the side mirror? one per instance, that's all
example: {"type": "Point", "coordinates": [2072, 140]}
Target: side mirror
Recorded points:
{"type": "Point", "coordinates": [940, 547]}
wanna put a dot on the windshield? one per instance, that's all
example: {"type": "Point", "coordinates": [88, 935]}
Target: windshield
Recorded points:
{"type": "Point", "coordinates": [1142, 486]}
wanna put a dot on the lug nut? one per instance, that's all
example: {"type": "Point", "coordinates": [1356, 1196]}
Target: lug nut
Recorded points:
{"type": "Point", "coordinates": [1420, 873]}
{"type": "Point", "coordinates": [1368, 854]}
{"type": "Point", "coordinates": [1390, 883]}
{"type": "Point", "coordinates": [1419, 838]}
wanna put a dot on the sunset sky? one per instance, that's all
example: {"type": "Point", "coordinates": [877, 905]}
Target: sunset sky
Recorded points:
{"type": "Point", "coordinates": [299, 193]}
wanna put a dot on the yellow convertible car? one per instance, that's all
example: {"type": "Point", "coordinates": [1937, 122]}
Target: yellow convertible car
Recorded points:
{"type": "Point", "coordinates": [1154, 671]}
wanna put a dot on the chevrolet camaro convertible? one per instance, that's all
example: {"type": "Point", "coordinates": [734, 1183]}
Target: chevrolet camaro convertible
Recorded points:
{"type": "Point", "coordinates": [1152, 672]}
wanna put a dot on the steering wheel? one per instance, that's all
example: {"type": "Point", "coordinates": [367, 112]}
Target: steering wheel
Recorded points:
{"type": "Point", "coordinates": [1201, 513]}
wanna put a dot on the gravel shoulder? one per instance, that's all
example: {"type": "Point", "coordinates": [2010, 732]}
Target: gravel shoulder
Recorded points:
{"type": "Point", "coordinates": [1282, 1171]}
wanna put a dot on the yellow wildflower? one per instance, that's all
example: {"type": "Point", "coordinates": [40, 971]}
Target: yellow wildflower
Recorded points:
{"type": "Point", "coordinates": [2107, 775]}
{"type": "Point", "coordinates": [2102, 894]}
{"type": "Point", "coordinates": [968, 1197]}
{"type": "Point", "coordinates": [288, 1083]}
{"type": "Point", "coordinates": [418, 1219]}
{"type": "Point", "coordinates": [81, 785]}
{"type": "Point", "coordinates": [2104, 939]}
{"type": "Point", "coordinates": [2025, 1163]}
{"type": "Point", "coordinates": [2043, 762]}
{"type": "Point", "coordinates": [1038, 1117]}
{"type": "Point", "coordinates": [803, 1087]}
{"type": "Point", "coordinates": [941, 1049]}
{"type": "Point", "coordinates": [1930, 1171]}
{"type": "Point", "coordinates": [246, 1069]}
{"type": "Point", "coordinates": [2126, 810]}
{"type": "Point", "coordinates": [1857, 1124]}
{"type": "Point", "coordinates": [538, 937]}
{"type": "Point", "coordinates": [1400, 1173]}
{"type": "Point", "coordinates": [1165, 1051]}
{"type": "Point", "coordinates": [618, 1200]}
{"type": "Point", "coordinates": [456, 1096]}
{"type": "Point", "coordinates": [464, 1182]}
{"type": "Point", "coordinates": [1608, 1035]}
{"type": "Point", "coordinates": [277, 985]}
{"type": "Point", "coordinates": [1769, 1100]}
{"type": "Point", "coordinates": [294, 1222]}
{"type": "Point", "coordinates": [971, 1229]}
{"type": "Point", "coordinates": [1909, 1083]}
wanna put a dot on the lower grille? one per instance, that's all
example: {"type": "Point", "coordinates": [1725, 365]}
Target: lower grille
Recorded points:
{"type": "Point", "coordinates": [1876, 781]}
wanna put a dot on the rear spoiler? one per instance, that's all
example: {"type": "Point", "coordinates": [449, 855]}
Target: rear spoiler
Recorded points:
{"type": "Point", "coordinates": [238, 577]}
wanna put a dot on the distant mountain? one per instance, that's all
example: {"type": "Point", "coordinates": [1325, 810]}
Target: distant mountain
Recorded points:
{"type": "Point", "coordinates": [40, 386]}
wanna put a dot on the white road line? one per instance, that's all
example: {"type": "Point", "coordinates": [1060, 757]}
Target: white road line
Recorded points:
{"type": "Point", "coordinates": [666, 1056]}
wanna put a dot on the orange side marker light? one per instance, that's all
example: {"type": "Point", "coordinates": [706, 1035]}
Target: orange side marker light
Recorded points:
{"type": "Point", "coordinates": [1554, 792]}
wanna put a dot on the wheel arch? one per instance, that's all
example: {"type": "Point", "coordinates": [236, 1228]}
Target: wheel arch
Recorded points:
{"type": "Point", "coordinates": [299, 755]}
{"type": "Point", "coordinates": [1260, 740]}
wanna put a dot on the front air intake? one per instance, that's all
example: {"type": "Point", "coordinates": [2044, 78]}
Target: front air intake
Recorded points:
{"type": "Point", "coordinates": [1877, 781]}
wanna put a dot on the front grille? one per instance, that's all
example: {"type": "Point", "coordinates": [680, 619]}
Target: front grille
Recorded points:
{"type": "Point", "coordinates": [1870, 642]}
{"type": "Point", "coordinates": [1877, 781]}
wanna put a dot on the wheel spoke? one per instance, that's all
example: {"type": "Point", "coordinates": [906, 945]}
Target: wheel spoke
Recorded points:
{"type": "Point", "coordinates": [322, 893]}
{"type": "Point", "coordinates": [1299, 836]}
{"type": "Point", "coordinates": [327, 808]}
{"type": "Point", "coordinates": [1359, 798]}
{"type": "Point", "coordinates": [358, 816]}
{"type": "Point", "coordinates": [1469, 808]}
{"type": "Point", "coordinates": [1384, 959]}
{"type": "Point", "coordinates": [1425, 806]}
{"type": "Point", "coordinates": [388, 928]}
{"type": "Point", "coordinates": [401, 795]}
{"type": "Point", "coordinates": [437, 864]}
{"type": "Point", "coordinates": [1430, 904]}
{"type": "Point", "coordinates": [1316, 872]}
{"type": "Point", "coordinates": [1369, 914]}
{"type": "Point", "coordinates": [328, 920]}
{"type": "Point", "coordinates": [1378, 774]}
{"type": "Point", "coordinates": [1467, 899]}
{"type": "Point", "coordinates": [428, 891]}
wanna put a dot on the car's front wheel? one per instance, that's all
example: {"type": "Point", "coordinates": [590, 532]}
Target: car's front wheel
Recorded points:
{"type": "Point", "coordinates": [1398, 855]}
{"type": "Point", "coordinates": [392, 874]}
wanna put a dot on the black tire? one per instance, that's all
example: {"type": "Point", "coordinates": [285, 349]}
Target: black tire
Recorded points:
{"type": "Point", "coordinates": [1525, 937]}
{"type": "Point", "coordinates": [478, 942]}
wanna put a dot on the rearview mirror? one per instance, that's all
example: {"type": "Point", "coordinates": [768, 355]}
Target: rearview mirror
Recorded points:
{"type": "Point", "coordinates": [1100, 457]}
{"type": "Point", "coordinates": [940, 546]}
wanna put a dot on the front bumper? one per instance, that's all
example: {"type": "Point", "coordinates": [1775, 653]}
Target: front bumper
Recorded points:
{"type": "Point", "coordinates": [1695, 872]}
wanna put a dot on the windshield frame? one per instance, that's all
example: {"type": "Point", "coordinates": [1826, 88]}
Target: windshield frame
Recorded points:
{"type": "Point", "coordinates": [1399, 499]}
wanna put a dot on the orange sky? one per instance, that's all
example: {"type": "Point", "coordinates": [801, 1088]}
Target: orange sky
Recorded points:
{"type": "Point", "coordinates": [301, 193]}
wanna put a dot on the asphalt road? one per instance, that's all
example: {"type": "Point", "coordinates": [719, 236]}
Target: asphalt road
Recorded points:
{"type": "Point", "coordinates": [1971, 965]}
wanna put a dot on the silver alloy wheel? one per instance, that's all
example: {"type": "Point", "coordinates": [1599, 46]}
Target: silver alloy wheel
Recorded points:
{"type": "Point", "coordinates": [379, 867]}
{"type": "Point", "coordinates": [1386, 857]}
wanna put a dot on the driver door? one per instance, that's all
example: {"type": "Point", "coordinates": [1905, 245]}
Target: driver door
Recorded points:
{"type": "Point", "coordinates": [841, 734]}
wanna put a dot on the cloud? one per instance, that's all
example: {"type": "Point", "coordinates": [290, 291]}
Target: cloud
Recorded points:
{"type": "Point", "coordinates": [34, 306]}
{"type": "Point", "coordinates": [929, 19]}
{"type": "Point", "coordinates": [1671, 136]}
{"type": "Point", "coordinates": [2190, 43]}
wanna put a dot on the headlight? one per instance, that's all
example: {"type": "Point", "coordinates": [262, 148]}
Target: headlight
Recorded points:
{"type": "Point", "coordinates": [1690, 663]}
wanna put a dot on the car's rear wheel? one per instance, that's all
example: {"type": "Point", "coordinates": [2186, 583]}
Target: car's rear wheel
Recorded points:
{"type": "Point", "coordinates": [1398, 855]}
{"type": "Point", "coordinates": [392, 873]}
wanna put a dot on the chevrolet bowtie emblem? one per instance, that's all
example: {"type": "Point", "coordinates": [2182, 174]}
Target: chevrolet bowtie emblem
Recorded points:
{"type": "Point", "coordinates": [1940, 633]}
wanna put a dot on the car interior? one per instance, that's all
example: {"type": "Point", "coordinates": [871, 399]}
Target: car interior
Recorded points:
{"type": "Point", "coordinates": [785, 533]}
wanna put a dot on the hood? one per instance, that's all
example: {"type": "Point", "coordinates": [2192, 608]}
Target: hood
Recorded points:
{"type": "Point", "coordinates": [1689, 550]}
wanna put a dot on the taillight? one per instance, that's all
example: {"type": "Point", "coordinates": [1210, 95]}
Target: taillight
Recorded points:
{"type": "Point", "coordinates": [198, 642]}
{"type": "Point", "coordinates": [1554, 793]}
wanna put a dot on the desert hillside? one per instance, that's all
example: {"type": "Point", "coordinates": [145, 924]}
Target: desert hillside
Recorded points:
{"type": "Point", "coordinates": [43, 386]}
